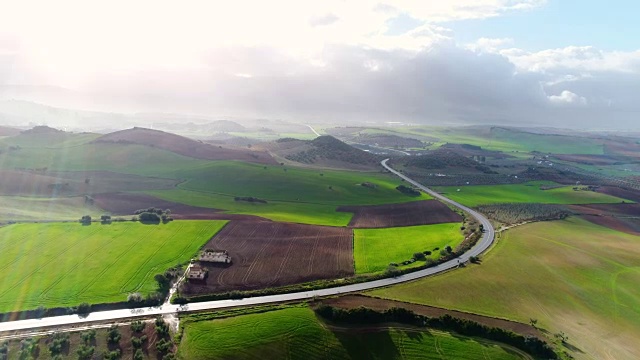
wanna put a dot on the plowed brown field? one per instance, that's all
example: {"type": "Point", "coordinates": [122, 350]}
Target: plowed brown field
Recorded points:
{"type": "Point", "coordinates": [408, 214]}
{"type": "Point", "coordinates": [273, 254]}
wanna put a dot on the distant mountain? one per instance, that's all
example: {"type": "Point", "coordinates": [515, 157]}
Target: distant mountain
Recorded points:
{"type": "Point", "coordinates": [182, 145]}
{"type": "Point", "coordinates": [8, 131]}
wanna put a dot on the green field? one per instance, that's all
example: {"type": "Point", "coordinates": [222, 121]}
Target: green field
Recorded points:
{"type": "Point", "coordinates": [65, 264]}
{"type": "Point", "coordinates": [506, 140]}
{"type": "Point", "coordinates": [530, 192]}
{"type": "Point", "coordinates": [37, 209]}
{"type": "Point", "coordinates": [296, 195]}
{"type": "Point", "coordinates": [296, 333]}
{"type": "Point", "coordinates": [571, 275]}
{"type": "Point", "coordinates": [375, 249]}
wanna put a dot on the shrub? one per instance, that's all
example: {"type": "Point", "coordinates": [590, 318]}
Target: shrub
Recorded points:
{"type": "Point", "coordinates": [138, 326]}
{"type": "Point", "coordinates": [419, 256]}
{"type": "Point", "coordinates": [113, 335]}
{"type": "Point", "coordinates": [83, 310]}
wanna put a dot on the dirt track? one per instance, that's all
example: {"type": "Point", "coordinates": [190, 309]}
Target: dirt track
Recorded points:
{"type": "Point", "coordinates": [393, 215]}
{"type": "Point", "coordinates": [267, 254]}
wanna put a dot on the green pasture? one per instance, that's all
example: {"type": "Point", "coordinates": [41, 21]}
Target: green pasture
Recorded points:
{"type": "Point", "coordinates": [21, 208]}
{"type": "Point", "coordinates": [375, 249]}
{"type": "Point", "coordinates": [296, 333]}
{"type": "Point", "coordinates": [530, 192]}
{"type": "Point", "coordinates": [286, 183]}
{"type": "Point", "coordinates": [572, 276]}
{"type": "Point", "coordinates": [297, 212]}
{"type": "Point", "coordinates": [65, 264]}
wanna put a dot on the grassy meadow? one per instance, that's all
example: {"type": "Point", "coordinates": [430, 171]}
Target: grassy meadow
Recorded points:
{"type": "Point", "coordinates": [530, 192]}
{"type": "Point", "coordinates": [375, 249]}
{"type": "Point", "coordinates": [572, 276]}
{"type": "Point", "coordinates": [296, 333]}
{"type": "Point", "coordinates": [65, 264]}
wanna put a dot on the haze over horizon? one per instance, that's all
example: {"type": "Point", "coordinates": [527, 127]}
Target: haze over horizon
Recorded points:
{"type": "Point", "coordinates": [570, 64]}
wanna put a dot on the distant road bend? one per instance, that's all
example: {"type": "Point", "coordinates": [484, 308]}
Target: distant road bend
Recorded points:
{"type": "Point", "coordinates": [115, 315]}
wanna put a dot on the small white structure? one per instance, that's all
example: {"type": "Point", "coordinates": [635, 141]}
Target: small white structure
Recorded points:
{"type": "Point", "coordinates": [197, 273]}
{"type": "Point", "coordinates": [215, 256]}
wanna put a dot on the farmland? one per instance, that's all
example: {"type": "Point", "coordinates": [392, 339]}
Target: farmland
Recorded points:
{"type": "Point", "coordinates": [374, 249]}
{"type": "Point", "coordinates": [267, 254]}
{"type": "Point", "coordinates": [296, 333]}
{"type": "Point", "coordinates": [65, 264]}
{"type": "Point", "coordinates": [530, 192]}
{"type": "Point", "coordinates": [571, 275]}
{"type": "Point", "coordinates": [405, 214]}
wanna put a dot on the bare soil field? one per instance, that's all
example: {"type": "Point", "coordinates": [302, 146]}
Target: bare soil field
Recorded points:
{"type": "Point", "coordinates": [620, 192]}
{"type": "Point", "coordinates": [126, 204]}
{"type": "Point", "coordinates": [408, 214]}
{"type": "Point", "coordinates": [620, 217]}
{"type": "Point", "coordinates": [589, 159]}
{"type": "Point", "coordinates": [354, 301]}
{"type": "Point", "coordinates": [184, 146]}
{"type": "Point", "coordinates": [273, 254]}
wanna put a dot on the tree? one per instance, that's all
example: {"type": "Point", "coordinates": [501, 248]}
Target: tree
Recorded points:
{"type": "Point", "coordinates": [86, 220]}
{"type": "Point", "coordinates": [138, 355]}
{"type": "Point", "coordinates": [113, 335]}
{"type": "Point", "coordinates": [533, 322]}
{"type": "Point", "coordinates": [84, 309]}
{"type": "Point", "coordinates": [419, 256]}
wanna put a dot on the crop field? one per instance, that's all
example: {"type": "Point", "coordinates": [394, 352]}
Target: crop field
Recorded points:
{"type": "Point", "coordinates": [297, 212]}
{"type": "Point", "coordinates": [375, 249]}
{"type": "Point", "coordinates": [127, 203]}
{"type": "Point", "coordinates": [620, 217]}
{"type": "Point", "coordinates": [57, 184]}
{"type": "Point", "coordinates": [26, 208]}
{"type": "Point", "coordinates": [267, 254]}
{"type": "Point", "coordinates": [405, 214]}
{"type": "Point", "coordinates": [296, 333]}
{"type": "Point", "coordinates": [284, 183]}
{"type": "Point", "coordinates": [523, 193]}
{"type": "Point", "coordinates": [571, 275]}
{"type": "Point", "coordinates": [108, 262]}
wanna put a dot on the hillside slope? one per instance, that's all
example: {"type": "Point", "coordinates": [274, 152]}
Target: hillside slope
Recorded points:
{"type": "Point", "coordinates": [323, 151]}
{"type": "Point", "coordinates": [183, 146]}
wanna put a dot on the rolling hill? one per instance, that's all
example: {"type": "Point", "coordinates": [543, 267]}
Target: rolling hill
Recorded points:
{"type": "Point", "coordinates": [183, 146]}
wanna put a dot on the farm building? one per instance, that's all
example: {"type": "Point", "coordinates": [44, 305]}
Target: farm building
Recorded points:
{"type": "Point", "coordinates": [197, 273]}
{"type": "Point", "coordinates": [215, 256]}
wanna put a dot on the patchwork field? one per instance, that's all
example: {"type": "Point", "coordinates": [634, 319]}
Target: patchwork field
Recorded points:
{"type": "Point", "coordinates": [571, 275]}
{"type": "Point", "coordinates": [128, 203]}
{"type": "Point", "coordinates": [284, 183]}
{"type": "Point", "coordinates": [296, 333]}
{"type": "Point", "coordinates": [286, 211]}
{"type": "Point", "coordinates": [267, 254]}
{"type": "Point", "coordinates": [108, 262]}
{"type": "Point", "coordinates": [26, 208]}
{"type": "Point", "coordinates": [530, 192]}
{"type": "Point", "coordinates": [406, 214]}
{"type": "Point", "coordinates": [375, 249]}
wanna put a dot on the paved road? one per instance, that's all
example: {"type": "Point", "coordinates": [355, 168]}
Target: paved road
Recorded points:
{"type": "Point", "coordinates": [314, 130]}
{"type": "Point", "coordinates": [114, 315]}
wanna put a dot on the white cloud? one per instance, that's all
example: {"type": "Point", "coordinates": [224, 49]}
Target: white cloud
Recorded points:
{"type": "Point", "coordinates": [567, 97]}
{"type": "Point", "coordinates": [325, 59]}
{"type": "Point", "coordinates": [490, 44]}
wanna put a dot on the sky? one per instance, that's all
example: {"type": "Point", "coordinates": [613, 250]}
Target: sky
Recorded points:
{"type": "Point", "coordinates": [562, 63]}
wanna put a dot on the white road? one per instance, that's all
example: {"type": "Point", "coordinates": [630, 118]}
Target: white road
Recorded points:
{"type": "Point", "coordinates": [314, 130]}
{"type": "Point", "coordinates": [116, 315]}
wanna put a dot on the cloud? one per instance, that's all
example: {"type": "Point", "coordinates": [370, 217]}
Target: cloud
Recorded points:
{"type": "Point", "coordinates": [329, 60]}
{"type": "Point", "coordinates": [567, 97]}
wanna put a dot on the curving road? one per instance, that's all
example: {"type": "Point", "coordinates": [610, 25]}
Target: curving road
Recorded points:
{"type": "Point", "coordinates": [114, 315]}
